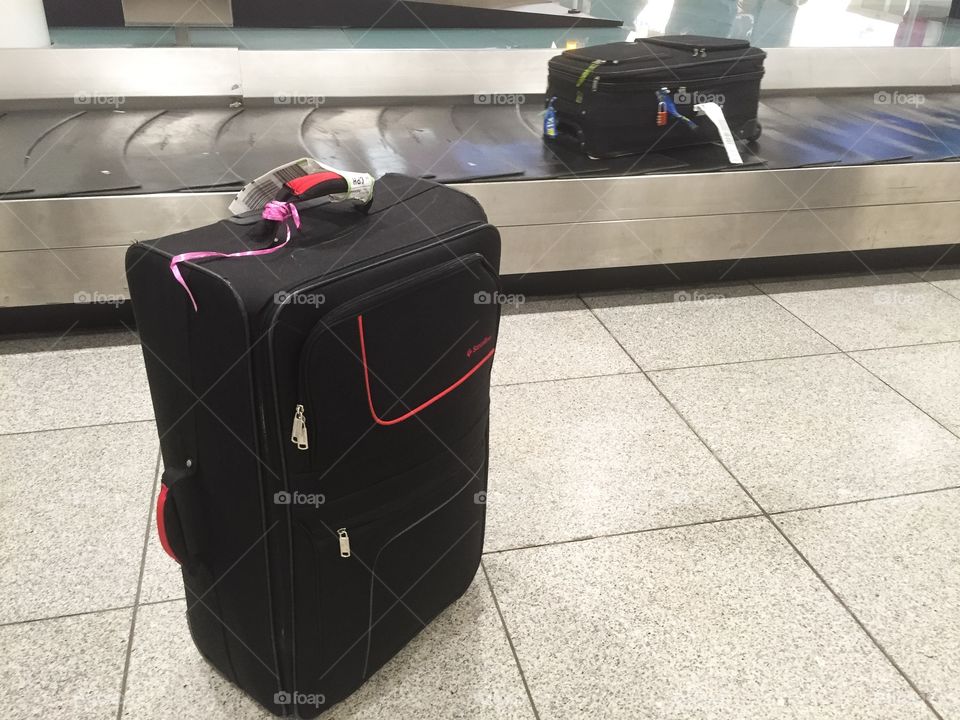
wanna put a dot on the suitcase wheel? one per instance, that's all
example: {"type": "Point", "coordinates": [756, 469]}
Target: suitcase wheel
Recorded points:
{"type": "Point", "coordinates": [751, 130]}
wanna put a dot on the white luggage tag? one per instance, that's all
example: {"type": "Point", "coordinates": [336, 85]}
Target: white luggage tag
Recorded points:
{"type": "Point", "coordinates": [715, 113]}
{"type": "Point", "coordinates": [255, 195]}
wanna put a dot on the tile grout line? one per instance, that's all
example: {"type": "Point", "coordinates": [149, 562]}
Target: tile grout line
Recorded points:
{"type": "Point", "coordinates": [64, 616]}
{"type": "Point", "coordinates": [913, 686]}
{"type": "Point", "coordinates": [513, 649]}
{"type": "Point", "coordinates": [792, 545]}
{"type": "Point", "coordinates": [932, 283]}
{"type": "Point", "coordinates": [136, 599]}
{"type": "Point", "coordinates": [698, 523]}
{"type": "Point", "coordinates": [856, 619]}
{"type": "Point", "coordinates": [848, 354]}
{"type": "Point", "coordinates": [881, 498]}
{"type": "Point", "coordinates": [78, 427]}
{"type": "Point", "coordinates": [626, 533]}
{"type": "Point", "coordinates": [561, 379]}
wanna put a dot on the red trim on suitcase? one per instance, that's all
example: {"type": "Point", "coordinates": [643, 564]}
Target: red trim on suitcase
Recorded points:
{"type": "Point", "coordinates": [422, 406]}
{"type": "Point", "coordinates": [162, 524]}
{"type": "Point", "coordinates": [301, 184]}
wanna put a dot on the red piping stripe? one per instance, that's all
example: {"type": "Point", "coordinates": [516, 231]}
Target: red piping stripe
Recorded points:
{"type": "Point", "coordinates": [422, 406]}
{"type": "Point", "coordinates": [301, 184]}
{"type": "Point", "coordinates": [162, 523]}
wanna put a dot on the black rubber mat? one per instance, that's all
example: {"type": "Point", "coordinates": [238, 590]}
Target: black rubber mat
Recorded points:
{"type": "Point", "coordinates": [434, 146]}
{"type": "Point", "coordinates": [177, 150]}
{"type": "Point", "coordinates": [84, 154]}
{"type": "Point", "coordinates": [257, 140]}
{"type": "Point", "coordinates": [350, 138]}
{"type": "Point", "coordinates": [857, 141]}
{"type": "Point", "coordinates": [75, 151]}
{"type": "Point", "coordinates": [20, 132]}
{"type": "Point", "coordinates": [781, 146]}
{"type": "Point", "coordinates": [898, 123]}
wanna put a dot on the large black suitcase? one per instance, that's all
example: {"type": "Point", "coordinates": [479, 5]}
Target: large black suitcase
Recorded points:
{"type": "Point", "coordinates": [323, 421]}
{"type": "Point", "coordinates": [618, 98]}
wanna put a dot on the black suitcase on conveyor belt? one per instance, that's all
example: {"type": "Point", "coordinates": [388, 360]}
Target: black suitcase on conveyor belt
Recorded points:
{"type": "Point", "coordinates": [623, 98]}
{"type": "Point", "coordinates": [323, 420]}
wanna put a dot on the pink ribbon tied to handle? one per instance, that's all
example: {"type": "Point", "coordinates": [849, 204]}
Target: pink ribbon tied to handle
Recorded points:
{"type": "Point", "coordinates": [285, 212]}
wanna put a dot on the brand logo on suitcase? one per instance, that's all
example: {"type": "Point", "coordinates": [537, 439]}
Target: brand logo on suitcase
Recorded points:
{"type": "Point", "coordinates": [478, 346]}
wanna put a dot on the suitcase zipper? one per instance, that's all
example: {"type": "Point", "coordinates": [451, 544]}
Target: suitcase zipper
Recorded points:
{"type": "Point", "coordinates": [298, 436]}
{"type": "Point", "coordinates": [344, 539]}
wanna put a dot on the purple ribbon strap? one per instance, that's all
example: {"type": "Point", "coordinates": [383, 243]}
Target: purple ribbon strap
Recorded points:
{"type": "Point", "coordinates": [284, 212]}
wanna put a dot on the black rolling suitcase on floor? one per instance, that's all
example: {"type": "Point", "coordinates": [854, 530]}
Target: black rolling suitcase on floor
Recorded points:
{"type": "Point", "coordinates": [623, 98]}
{"type": "Point", "coordinates": [323, 418]}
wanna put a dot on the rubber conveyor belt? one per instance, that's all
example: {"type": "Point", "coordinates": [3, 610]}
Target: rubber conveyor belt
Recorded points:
{"type": "Point", "coordinates": [51, 153]}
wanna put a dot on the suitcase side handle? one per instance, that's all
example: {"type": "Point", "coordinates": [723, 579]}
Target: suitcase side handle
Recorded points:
{"type": "Point", "coordinates": [179, 526]}
{"type": "Point", "coordinates": [422, 406]}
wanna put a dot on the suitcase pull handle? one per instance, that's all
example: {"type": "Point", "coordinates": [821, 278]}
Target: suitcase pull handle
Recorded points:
{"type": "Point", "coordinates": [422, 406]}
{"type": "Point", "coordinates": [356, 186]}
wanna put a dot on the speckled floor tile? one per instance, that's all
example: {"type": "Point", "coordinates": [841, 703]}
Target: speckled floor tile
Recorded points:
{"type": "Point", "coordinates": [161, 574]}
{"type": "Point", "coordinates": [460, 667]}
{"type": "Point", "coordinates": [716, 621]}
{"type": "Point", "coordinates": [895, 563]}
{"type": "Point", "coordinates": [678, 328]}
{"type": "Point", "coordinates": [865, 312]}
{"type": "Point", "coordinates": [929, 375]}
{"type": "Point", "coordinates": [595, 456]}
{"type": "Point", "coordinates": [73, 503]}
{"type": "Point", "coordinates": [70, 340]}
{"type": "Point", "coordinates": [168, 678]}
{"type": "Point", "coordinates": [552, 339]}
{"type": "Point", "coordinates": [947, 279]}
{"type": "Point", "coordinates": [64, 668]}
{"type": "Point", "coordinates": [72, 388]}
{"type": "Point", "coordinates": [813, 431]}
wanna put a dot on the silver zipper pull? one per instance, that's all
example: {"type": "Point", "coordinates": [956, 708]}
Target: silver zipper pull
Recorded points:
{"type": "Point", "coordinates": [344, 542]}
{"type": "Point", "coordinates": [298, 436]}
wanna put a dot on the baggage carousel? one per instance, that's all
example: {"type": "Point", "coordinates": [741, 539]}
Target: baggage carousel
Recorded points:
{"type": "Point", "coordinates": [834, 172]}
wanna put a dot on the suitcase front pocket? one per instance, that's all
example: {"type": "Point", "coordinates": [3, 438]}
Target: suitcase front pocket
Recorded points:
{"type": "Point", "coordinates": [372, 570]}
{"type": "Point", "coordinates": [397, 374]}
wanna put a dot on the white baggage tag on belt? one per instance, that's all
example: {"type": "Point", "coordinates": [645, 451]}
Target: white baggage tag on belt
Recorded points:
{"type": "Point", "coordinates": [715, 113]}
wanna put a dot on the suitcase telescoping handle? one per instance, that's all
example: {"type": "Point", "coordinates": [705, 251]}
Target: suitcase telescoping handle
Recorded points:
{"type": "Point", "coordinates": [282, 210]}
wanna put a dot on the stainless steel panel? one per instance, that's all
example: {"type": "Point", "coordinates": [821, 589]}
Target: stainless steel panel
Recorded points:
{"type": "Point", "coordinates": [53, 249]}
{"type": "Point", "coordinates": [98, 77]}
{"type": "Point", "coordinates": [218, 13]}
{"type": "Point", "coordinates": [578, 246]}
{"type": "Point", "coordinates": [88, 222]}
{"type": "Point", "coordinates": [656, 196]}
{"type": "Point", "coordinates": [40, 277]}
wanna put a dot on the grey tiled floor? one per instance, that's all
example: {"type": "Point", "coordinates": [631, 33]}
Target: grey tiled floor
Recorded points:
{"type": "Point", "coordinates": [728, 502]}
